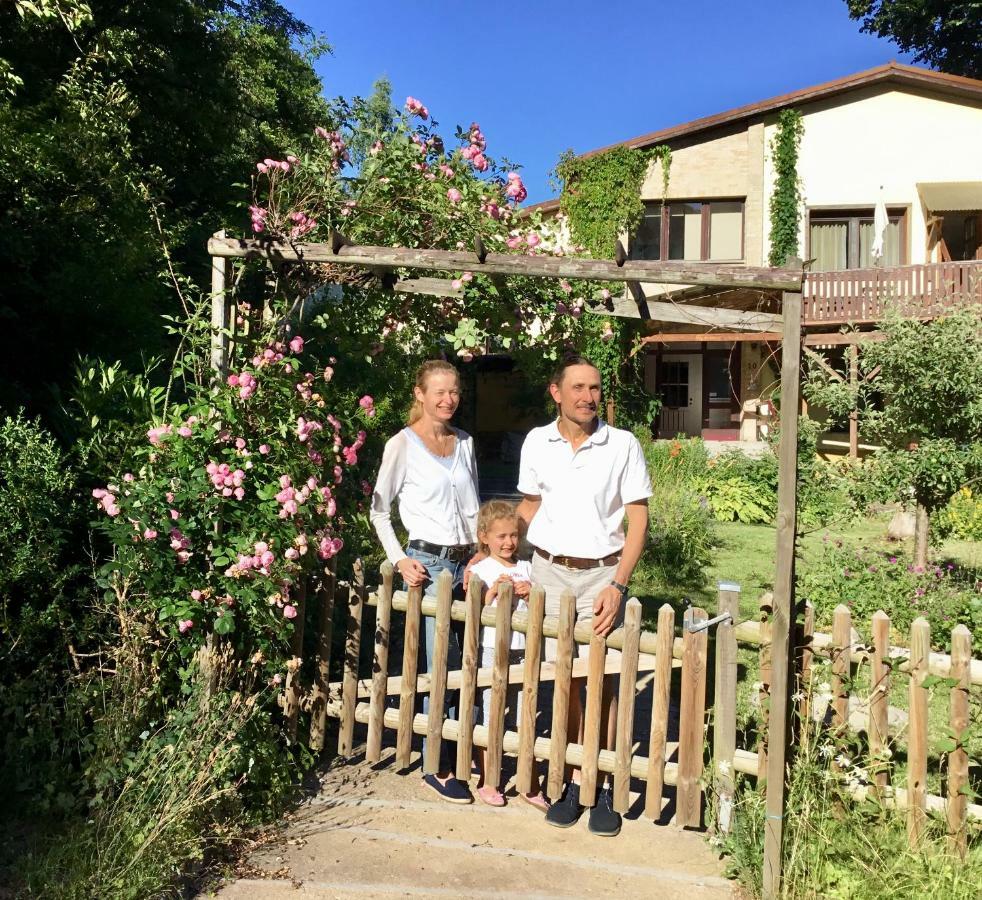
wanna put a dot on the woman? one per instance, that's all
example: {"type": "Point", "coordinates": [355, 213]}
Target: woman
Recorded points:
{"type": "Point", "coordinates": [430, 470]}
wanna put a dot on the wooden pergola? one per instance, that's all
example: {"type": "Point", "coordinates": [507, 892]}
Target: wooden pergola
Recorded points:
{"type": "Point", "coordinates": [786, 323]}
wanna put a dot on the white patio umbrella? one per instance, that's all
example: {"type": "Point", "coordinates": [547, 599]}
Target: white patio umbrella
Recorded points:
{"type": "Point", "coordinates": [880, 222]}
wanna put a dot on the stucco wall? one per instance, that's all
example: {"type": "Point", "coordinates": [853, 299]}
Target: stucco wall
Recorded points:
{"type": "Point", "coordinates": [856, 142]}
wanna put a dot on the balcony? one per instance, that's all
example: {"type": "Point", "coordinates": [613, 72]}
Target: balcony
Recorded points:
{"type": "Point", "coordinates": [864, 296]}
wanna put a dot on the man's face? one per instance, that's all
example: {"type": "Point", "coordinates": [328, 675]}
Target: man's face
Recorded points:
{"type": "Point", "coordinates": [578, 394]}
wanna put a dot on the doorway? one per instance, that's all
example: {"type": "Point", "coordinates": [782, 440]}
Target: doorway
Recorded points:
{"type": "Point", "coordinates": [679, 385]}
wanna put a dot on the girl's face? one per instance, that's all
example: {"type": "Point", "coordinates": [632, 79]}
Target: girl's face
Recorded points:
{"type": "Point", "coordinates": [501, 537]}
{"type": "Point", "coordinates": [440, 397]}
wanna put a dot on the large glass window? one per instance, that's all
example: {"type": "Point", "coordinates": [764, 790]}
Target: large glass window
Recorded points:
{"type": "Point", "coordinates": [707, 230]}
{"type": "Point", "coordinates": [843, 239]}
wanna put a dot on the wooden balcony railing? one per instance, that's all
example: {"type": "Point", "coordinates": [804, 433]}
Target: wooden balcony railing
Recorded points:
{"type": "Point", "coordinates": [866, 295]}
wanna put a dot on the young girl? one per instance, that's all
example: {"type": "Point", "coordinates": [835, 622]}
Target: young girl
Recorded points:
{"type": "Point", "coordinates": [497, 535]}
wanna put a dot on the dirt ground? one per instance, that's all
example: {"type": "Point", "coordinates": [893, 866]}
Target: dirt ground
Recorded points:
{"type": "Point", "coordinates": [369, 831]}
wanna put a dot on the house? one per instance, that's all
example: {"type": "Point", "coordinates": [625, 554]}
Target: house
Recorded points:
{"type": "Point", "coordinates": [905, 137]}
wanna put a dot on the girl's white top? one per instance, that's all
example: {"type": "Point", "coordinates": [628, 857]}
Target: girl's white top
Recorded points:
{"type": "Point", "coordinates": [489, 570]}
{"type": "Point", "coordinates": [437, 503]}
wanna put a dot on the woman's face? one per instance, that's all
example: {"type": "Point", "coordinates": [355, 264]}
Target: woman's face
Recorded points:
{"type": "Point", "coordinates": [440, 396]}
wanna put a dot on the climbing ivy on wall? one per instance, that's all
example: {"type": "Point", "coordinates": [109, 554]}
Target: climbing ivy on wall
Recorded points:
{"type": "Point", "coordinates": [785, 204]}
{"type": "Point", "coordinates": [601, 194]}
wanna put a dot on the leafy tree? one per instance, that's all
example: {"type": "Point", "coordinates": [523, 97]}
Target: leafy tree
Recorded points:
{"type": "Point", "coordinates": [930, 420]}
{"type": "Point", "coordinates": [126, 126]}
{"type": "Point", "coordinates": [943, 33]}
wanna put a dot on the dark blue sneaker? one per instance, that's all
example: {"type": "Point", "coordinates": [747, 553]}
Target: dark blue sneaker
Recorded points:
{"type": "Point", "coordinates": [603, 820]}
{"type": "Point", "coordinates": [566, 811]}
{"type": "Point", "coordinates": [453, 791]}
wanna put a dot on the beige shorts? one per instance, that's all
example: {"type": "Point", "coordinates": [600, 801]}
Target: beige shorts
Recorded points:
{"type": "Point", "coordinates": [585, 585]}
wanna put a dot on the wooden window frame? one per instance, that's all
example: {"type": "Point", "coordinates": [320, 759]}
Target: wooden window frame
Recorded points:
{"type": "Point", "coordinates": [852, 215]}
{"type": "Point", "coordinates": [704, 226]}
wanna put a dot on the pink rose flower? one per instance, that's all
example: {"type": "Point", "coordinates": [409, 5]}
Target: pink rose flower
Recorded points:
{"type": "Point", "coordinates": [289, 612]}
{"type": "Point", "coordinates": [454, 196]}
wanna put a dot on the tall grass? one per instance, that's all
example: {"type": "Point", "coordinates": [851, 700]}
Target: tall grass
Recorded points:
{"type": "Point", "coordinates": [836, 848]}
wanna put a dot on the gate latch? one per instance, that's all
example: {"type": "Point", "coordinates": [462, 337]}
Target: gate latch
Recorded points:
{"type": "Point", "coordinates": [706, 624]}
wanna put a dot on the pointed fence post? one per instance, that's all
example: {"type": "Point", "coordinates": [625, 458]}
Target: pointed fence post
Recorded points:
{"type": "Point", "coordinates": [879, 725]}
{"type": "Point", "coordinates": [499, 682]}
{"type": "Point", "coordinates": [438, 675]}
{"type": "Point", "coordinates": [560, 697]}
{"type": "Point", "coordinates": [841, 665]}
{"type": "Point", "coordinates": [322, 679]}
{"type": "Point", "coordinates": [352, 654]}
{"type": "Point", "coordinates": [692, 714]}
{"type": "Point", "coordinates": [407, 694]}
{"type": "Point", "coordinates": [468, 677]}
{"type": "Point", "coordinates": [380, 667]}
{"type": "Point", "coordinates": [920, 651]}
{"type": "Point", "coordinates": [961, 661]}
{"type": "Point", "coordinates": [589, 769]}
{"type": "Point", "coordinates": [625, 706]}
{"type": "Point", "coordinates": [661, 697]}
{"type": "Point", "coordinates": [530, 690]}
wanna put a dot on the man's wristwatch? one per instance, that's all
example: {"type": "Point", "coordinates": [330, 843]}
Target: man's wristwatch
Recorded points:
{"type": "Point", "coordinates": [621, 588]}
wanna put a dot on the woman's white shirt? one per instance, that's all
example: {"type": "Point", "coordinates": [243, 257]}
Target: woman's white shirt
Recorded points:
{"type": "Point", "coordinates": [437, 502]}
{"type": "Point", "coordinates": [489, 570]}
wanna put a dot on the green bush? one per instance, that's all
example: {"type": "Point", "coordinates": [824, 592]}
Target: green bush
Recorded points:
{"type": "Point", "coordinates": [866, 580]}
{"type": "Point", "coordinates": [961, 518]}
{"type": "Point", "coordinates": [681, 535]}
{"type": "Point", "coordinates": [740, 489]}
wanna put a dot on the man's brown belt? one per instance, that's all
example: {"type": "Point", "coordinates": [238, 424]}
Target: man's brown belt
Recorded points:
{"type": "Point", "coordinates": [578, 562]}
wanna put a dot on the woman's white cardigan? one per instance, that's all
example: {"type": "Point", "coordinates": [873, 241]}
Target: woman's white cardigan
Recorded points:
{"type": "Point", "coordinates": [437, 503]}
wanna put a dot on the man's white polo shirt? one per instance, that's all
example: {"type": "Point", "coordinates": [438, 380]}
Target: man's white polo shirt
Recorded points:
{"type": "Point", "coordinates": [583, 492]}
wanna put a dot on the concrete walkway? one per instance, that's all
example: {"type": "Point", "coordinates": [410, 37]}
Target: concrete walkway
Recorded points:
{"type": "Point", "coordinates": [371, 832]}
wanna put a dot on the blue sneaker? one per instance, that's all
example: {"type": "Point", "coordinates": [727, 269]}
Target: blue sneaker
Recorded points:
{"type": "Point", "coordinates": [453, 791]}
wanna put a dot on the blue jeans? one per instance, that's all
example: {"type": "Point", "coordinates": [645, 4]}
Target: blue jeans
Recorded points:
{"type": "Point", "coordinates": [434, 565]}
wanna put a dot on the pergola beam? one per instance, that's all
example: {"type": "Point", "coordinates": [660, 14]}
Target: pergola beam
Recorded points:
{"type": "Point", "coordinates": [786, 279]}
{"type": "Point", "coordinates": [713, 316]}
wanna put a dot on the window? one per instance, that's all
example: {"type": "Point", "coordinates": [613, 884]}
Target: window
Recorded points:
{"type": "Point", "coordinates": [673, 382]}
{"type": "Point", "coordinates": [843, 239]}
{"type": "Point", "coordinates": [690, 230]}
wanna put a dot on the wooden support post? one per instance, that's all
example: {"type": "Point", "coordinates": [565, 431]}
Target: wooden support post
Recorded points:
{"type": "Point", "coordinates": [879, 733]}
{"type": "Point", "coordinates": [961, 660]}
{"type": "Point", "coordinates": [438, 676]}
{"type": "Point", "coordinates": [380, 665]}
{"type": "Point", "coordinates": [468, 677]}
{"type": "Point", "coordinates": [499, 683]}
{"type": "Point", "coordinates": [592, 723]}
{"type": "Point", "coordinates": [325, 630]}
{"type": "Point", "coordinates": [625, 706]}
{"type": "Point", "coordinates": [560, 695]}
{"type": "Point", "coordinates": [692, 712]}
{"type": "Point", "coordinates": [530, 690]}
{"type": "Point", "coordinates": [854, 413]}
{"type": "Point", "coordinates": [784, 596]}
{"type": "Point", "coordinates": [724, 707]}
{"type": "Point", "coordinates": [841, 665]}
{"type": "Point", "coordinates": [764, 692]}
{"type": "Point", "coordinates": [293, 674]}
{"type": "Point", "coordinates": [920, 649]}
{"type": "Point", "coordinates": [407, 696]}
{"type": "Point", "coordinates": [219, 314]}
{"type": "Point", "coordinates": [661, 696]}
{"type": "Point", "coordinates": [807, 656]}
{"type": "Point", "coordinates": [352, 653]}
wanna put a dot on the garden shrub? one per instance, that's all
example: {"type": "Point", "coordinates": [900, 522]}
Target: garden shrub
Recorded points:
{"type": "Point", "coordinates": [867, 580]}
{"type": "Point", "coordinates": [740, 489]}
{"type": "Point", "coordinates": [961, 518]}
{"type": "Point", "coordinates": [681, 535]}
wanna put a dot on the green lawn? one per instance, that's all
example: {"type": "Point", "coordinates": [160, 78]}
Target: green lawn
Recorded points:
{"type": "Point", "coordinates": [746, 556]}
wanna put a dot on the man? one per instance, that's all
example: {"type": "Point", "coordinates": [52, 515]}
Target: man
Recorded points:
{"type": "Point", "coordinates": [579, 478]}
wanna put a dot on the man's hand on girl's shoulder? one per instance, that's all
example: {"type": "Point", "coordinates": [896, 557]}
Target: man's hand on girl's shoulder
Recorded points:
{"type": "Point", "coordinates": [473, 561]}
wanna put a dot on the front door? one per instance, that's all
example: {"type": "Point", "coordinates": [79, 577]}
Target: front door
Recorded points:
{"type": "Point", "coordinates": [680, 389]}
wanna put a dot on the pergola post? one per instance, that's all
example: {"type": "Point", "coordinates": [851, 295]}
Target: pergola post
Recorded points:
{"type": "Point", "coordinates": [783, 604]}
{"type": "Point", "coordinates": [219, 314]}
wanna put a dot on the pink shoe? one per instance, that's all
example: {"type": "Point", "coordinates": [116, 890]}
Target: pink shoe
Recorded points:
{"type": "Point", "coordinates": [490, 795]}
{"type": "Point", "coordinates": [536, 800]}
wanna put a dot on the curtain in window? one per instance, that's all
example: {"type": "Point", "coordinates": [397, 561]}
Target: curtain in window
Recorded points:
{"type": "Point", "coordinates": [685, 231]}
{"type": "Point", "coordinates": [828, 242]}
{"type": "Point", "coordinates": [725, 230]}
{"type": "Point", "coordinates": [891, 245]}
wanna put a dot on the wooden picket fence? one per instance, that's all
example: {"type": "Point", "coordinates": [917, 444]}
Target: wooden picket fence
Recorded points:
{"type": "Point", "coordinates": [355, 700]}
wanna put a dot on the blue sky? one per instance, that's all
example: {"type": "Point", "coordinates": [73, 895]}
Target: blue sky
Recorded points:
{"type": "Point", "coordinates": [542, 76]}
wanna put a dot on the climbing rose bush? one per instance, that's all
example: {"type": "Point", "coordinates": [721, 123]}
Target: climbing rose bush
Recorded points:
{"type": "Point", "coordinates": [235, 499]}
